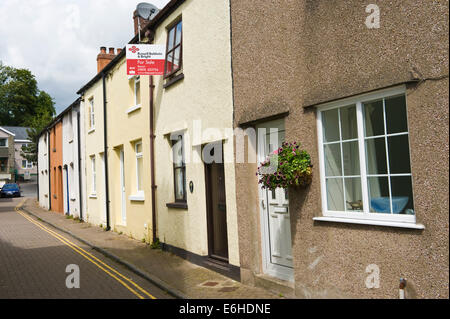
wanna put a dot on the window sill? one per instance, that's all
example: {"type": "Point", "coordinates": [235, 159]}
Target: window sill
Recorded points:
{"type": "Point", "coordinates": [91, 130]}
{"type": "Point", "coordinates": [177, 205]}
{"type": "Point", "coordinates": [369, 222]}
{"type": "Point", "coordinates": [133, 108]}
{"type": "Point", "coordinates": [171, 81]}
{"type": "Point", "coordinates": [94, 196]}
{"type": "Point", "coordinates": [137, 197]}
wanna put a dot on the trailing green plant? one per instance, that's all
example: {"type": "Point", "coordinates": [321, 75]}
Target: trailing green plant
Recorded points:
{"type": "Point", "coordinates": [156, 244]}
{"type": "Point", "coordinates": [287, 166]}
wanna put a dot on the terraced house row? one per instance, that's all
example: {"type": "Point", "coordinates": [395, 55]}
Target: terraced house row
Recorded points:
{"type": "Point", "coordinates": [173, 158]}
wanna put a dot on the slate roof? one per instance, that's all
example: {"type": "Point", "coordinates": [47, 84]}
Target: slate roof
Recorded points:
{"type": "Point", "coordinates": [20, 132]}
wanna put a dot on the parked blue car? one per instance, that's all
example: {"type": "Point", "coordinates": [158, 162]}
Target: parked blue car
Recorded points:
{"type": "Point", "coordinates": [10, 190]}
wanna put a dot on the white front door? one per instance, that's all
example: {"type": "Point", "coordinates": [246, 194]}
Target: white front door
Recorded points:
{"type": "Point", "coordinates": [122, 187]}
{"type": "Point", "coordinates": [274, 206]}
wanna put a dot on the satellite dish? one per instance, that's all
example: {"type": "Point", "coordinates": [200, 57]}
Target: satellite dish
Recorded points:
{"type": "Point", "coordinates": [146, 10]}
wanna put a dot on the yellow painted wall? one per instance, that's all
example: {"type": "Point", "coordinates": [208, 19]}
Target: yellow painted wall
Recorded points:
{"type": "Point", "coordinates": [96, 210]}
{"type": "Point", "coordinates": [204, 94]}
{"type": "Point", "coordinates": [124, 130]}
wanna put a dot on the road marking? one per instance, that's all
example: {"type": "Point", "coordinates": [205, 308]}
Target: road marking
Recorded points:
{"type": "Point", "coordinates": [88, 256]}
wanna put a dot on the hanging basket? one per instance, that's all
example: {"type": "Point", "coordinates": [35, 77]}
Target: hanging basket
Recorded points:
{"type": "Point", "coordinates": [303, 179]}
{"type": "Point", "coordinates": [288, 166]}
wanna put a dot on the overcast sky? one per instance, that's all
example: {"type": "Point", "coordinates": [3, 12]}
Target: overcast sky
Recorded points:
{"type": "Point", "coordinates": [58, 40]}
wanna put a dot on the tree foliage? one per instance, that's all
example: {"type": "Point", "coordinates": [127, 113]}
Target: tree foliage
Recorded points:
{"type": "Point", "coordinates": [23, 104]}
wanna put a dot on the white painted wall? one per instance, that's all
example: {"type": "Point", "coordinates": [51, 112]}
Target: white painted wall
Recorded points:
{"type": "Point", "coordinates": [70, 163]}
{"type": "Point", "coordinates": [43, 171]}
{"type": "Point", "coordinates": [83, 195]}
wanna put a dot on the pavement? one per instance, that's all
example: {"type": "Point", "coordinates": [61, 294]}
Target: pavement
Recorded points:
{"type": "Point", "coordinates": [169, 273]}
{"type": "Point", "coordinates": [38, 261]}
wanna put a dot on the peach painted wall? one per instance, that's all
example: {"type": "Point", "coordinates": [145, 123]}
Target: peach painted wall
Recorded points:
{"type": "Point", "coordinates": [56, 167]}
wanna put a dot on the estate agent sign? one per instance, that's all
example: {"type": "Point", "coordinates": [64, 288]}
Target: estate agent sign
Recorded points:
{"type": "Point", "coordinates": [145, 59]}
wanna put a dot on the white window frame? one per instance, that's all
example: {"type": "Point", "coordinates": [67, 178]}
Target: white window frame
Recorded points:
{"type": "Point", "coordinates": [138, 173]}
{"type": "Point", "coordinates": [91, 114]}
{"type": "Point", "coordinates": [93, 177]}
{"type": "Point", "coordinates": [140, 195]}
{"type": "Point", "coordinates": [364, 217]}
{"type": "Point", "coordinates": [28, 165]}
{"type": "Point", "coordinates": [137, 80]}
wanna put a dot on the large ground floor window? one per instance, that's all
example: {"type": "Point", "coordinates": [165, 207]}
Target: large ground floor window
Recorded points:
{"type": "Point", "coordinates": [365, 159]}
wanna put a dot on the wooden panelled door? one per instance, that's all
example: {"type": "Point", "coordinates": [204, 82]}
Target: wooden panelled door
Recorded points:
{"type": "Point", "coordinates": [216, 208]}
{"type": "Point", "coordinates": [274, 207]}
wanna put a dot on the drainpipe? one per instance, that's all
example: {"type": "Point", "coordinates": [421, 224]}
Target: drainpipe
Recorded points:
{"type": "Point", "coordinates": [105, 152]}
{"type": "Point", "coordinates": [152, 160]}
{"type": "Point", "coordinates": [49, 173]}
{"type": "Point", "coordinates": [80, 196]}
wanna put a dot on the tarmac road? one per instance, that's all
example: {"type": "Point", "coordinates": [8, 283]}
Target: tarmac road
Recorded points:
{"type": "Point", "coordinates": [34, 260]}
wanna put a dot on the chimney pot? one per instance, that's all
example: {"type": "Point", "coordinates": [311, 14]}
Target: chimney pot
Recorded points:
{"type": "Point", "coordinates": [119, 50]}
{"type": "Point", "coordinates": [104, 58]}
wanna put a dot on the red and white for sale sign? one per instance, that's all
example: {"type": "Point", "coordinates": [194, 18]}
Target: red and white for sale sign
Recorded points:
{"type": "Point", "coordinates": [145, 59]}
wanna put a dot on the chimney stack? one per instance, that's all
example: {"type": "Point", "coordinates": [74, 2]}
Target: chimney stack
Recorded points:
{"type": "Point", "coordinates": [136, 18]}
{"type": "Point", "coordinates": [104, 58]}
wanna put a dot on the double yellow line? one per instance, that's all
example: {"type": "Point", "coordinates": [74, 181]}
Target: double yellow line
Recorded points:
{"type": "Point", "coordinates": [124, 281]}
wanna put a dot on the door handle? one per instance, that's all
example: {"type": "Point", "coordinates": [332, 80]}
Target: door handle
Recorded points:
{"type": "Point", "coordinates": [263, 203]}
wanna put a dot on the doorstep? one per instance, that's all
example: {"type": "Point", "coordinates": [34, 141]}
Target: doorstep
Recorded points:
{"type": "Point", "coordinates": [215, 265]}
{"type": "Point", "coordinates": [275, 285]}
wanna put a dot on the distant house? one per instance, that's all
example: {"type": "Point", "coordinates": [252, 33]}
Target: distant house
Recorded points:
{"type": "Point", "coordinates": [24, 169]}
{"type": "Point", "coordinates": [6, 155]}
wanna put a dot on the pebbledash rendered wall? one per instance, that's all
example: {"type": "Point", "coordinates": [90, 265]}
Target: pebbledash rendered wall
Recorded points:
{"type": "Point", "coordinates": [303, 53]}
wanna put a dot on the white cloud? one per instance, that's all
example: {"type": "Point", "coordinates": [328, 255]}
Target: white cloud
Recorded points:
{"type": "Point", "coordinates": [59, 40]}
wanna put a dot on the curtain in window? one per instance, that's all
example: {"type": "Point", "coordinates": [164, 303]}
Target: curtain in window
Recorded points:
{"type": "Point", "coordinates": [341, 155]}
